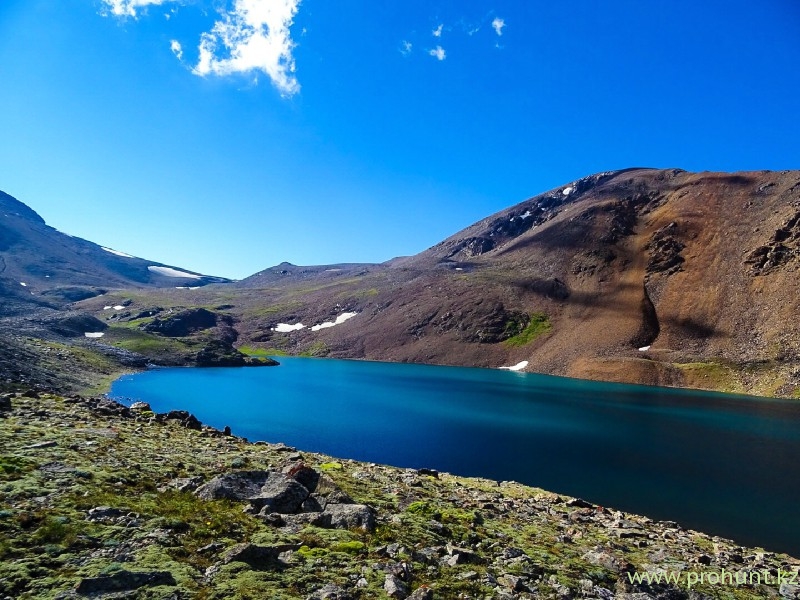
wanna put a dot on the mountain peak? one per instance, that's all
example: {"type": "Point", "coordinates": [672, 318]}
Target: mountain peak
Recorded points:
{"type": "Point", "coordinates": [11, 206]}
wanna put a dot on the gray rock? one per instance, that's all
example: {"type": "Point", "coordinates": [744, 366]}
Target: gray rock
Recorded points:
{"type": "Point", "coordinates": [461, 556]}
{"type": "Point", "coordinates": [103, 513]}
{"type": "Point", "coordinates": [347, 516]}
{"type": "Point", "coordinates": [186, 419]}
{"type": "Point", "coordinates": [330, 592]}
{"type": "Point", "coordinates": [258, 557]}
{"type": "Point", "coordinates": [395, 588]}
{"type": "Point", "coordinates": [788, 590]}
{"type": "Point", "coordinates": [423, 593]}
{"type": "Point", "coordinates": [305, 476]}
{"type": "Point", "coordinates": [242, 485]}
{"type": "Point", "coordinates": [184, 484]}
{"type": "Point", "coordinates": [579, 503]}
{"type": "Point", "coordinates": [280, 494]}
{"type": "Point", "coordinates": [629, 532]}
{"type": "Point", "coordinates": [123, 581]}
{"type": "Point", "coordinates": [210, 548]}
{"type": "Point", "coordinates": [513, 583]}
{"type": "Point", "coordinates": [140, 407]}
{"type": "Point", "coordinates": [49, 444]}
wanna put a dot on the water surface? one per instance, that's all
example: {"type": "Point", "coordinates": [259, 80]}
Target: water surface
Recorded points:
{"type": "Point", "coordinates": [724, 464]}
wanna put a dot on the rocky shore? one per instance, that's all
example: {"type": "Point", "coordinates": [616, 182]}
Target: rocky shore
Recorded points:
{"type": "Point", "coordinates": [99, 500]}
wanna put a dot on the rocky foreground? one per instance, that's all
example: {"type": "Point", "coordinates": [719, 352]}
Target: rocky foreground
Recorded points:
{"type": "Point", "coordinates": [104, 501]}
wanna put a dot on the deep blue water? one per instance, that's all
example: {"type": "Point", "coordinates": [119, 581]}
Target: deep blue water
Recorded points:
{"type": "Point", "coordinates": [723, 464]}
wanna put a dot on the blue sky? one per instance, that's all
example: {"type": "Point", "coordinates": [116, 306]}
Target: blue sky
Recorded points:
{"type": "Point", "coordinates": [225, 136]}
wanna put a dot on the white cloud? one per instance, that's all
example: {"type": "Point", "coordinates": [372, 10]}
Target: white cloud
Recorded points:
{"type": "Point", "coordinates": [438, 31]}
{"type": "Point", "coordinates": [405, 48]}
{"type": "Point", "coordinates": [176, 48]}
{"type": "Point", "coordinates": [498, 25]}
{"type": "Point", "coordinates": [254, 36]}
{"type": "Point", "coordinates": [127, 8]}
{"type": "Point", "coordinates": [438, 53]}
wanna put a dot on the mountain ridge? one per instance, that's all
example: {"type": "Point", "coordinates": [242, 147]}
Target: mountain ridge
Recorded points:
{"type": "Point", "coordinates": [654, 276]}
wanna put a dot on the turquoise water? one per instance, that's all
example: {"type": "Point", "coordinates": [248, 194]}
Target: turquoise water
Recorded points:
{"type": "Point", "coordinates": [728, 465]}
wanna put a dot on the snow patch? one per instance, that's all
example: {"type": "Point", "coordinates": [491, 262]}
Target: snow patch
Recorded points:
{"type": "Point", "coordinates": [517, 367]}
{"type": "Point", "coordinates": [526, 215]}
{"type": "Point", "coordinates": [568, 190]}
{"type": "Point", "coordinates": [97, 334]}
{"type": "Point", "coordinates": [119, 307]}
{"type": "Point", "coordinates": [286, 328]}
{"type": "Point", "coordinates": [107, 307]}
{"type": "Point", "coordinates": [23, 284]}
{"type": "Point", "coordinates": [117, 252]}
{"type": "Point", "coordinates": [644, 348]}
{"type": "Point", "coordinates": [331, 270]}
{"type": "Point", "coordinates": [339, 320]}
{"type": "Point", "coordinates": [170, 272]}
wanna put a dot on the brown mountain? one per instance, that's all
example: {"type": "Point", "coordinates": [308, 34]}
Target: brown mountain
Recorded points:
{"type": "Point", "coordinates": [643, 275]}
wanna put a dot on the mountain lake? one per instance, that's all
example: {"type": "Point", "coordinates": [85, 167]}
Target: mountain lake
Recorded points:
{"type": "Point", "coordinates": [723, 464]}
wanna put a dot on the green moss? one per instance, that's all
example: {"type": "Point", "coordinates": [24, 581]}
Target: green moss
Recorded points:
{"type": "Point", "coordinates": [421, 508]}
{"type": "Point", "coordinates": [56, 530]}
{"type": "Point", "coordinates": [538, 325]}
{"type": "Point", "coordinates": [709, 375]}
{"type": "Point", "coordinates": [12, 467]}
{"type": "Point", "coordinates": [202, 521]}
{"type": "Point", "coordinates": [331, 466]}
{"type": "Point", "coordinates": [311, 553]}
{"type": "Point", "coordinates": [352, 547]}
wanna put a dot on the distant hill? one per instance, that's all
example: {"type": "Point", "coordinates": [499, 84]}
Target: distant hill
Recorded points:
{"type": "Point", "coordinates": [39, 265]}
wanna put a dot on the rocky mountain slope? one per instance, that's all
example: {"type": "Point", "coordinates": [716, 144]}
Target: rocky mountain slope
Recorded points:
{"type": "Point", "coordinates": [98, 500]}
{"type": "Point", "coordinates": [41, 266]}
{"type": "Point", "coordinates": [650, 276]}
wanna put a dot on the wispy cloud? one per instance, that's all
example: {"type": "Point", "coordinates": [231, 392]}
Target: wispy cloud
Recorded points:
{"type": "Point", "coordinates": [438, 31]}
{"type": "Point", "coordinates": [254, 36]}
{"type": "Point", "coordinates": [128, 8]}
{"type": "Point", "coordinates": [405, 47]}
{"type": "Point", "coordinates": [498, 25]}
{"type": "Point", "coordinates": [176, 48]}
{"type": "Point", "coordinates": [438, 53]}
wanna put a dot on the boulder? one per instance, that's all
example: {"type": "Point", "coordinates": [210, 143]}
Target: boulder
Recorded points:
{"type": "Point", "coordinates": [123, 581]}
{"type": "Point", "coordinates": [241, 485]}
{"type": "Point", "coordinates": [422, 593]}
{"type": "Point", "coordinates": [185, 322]}
{"type": "Point", "coordinates": [280, 494]}
{"type": "Point", "coordinates": [347, 516]}
{"type": "Point", "coordinates": [394, 587]}
{"type": "Point", "coordinates": [280, 498]}
{"type": "Point", "coordinates": [258, 557]}
{"type": "Point", "coordinates": [186, 419]}
{"type": "Point", "coordinates": [330, 592]}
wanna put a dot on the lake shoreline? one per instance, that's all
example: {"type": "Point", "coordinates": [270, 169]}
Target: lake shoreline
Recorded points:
{"type": "Point", "coordinates": [455, 535]}
{"type": "Point", "coordinates": [697, 466]}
